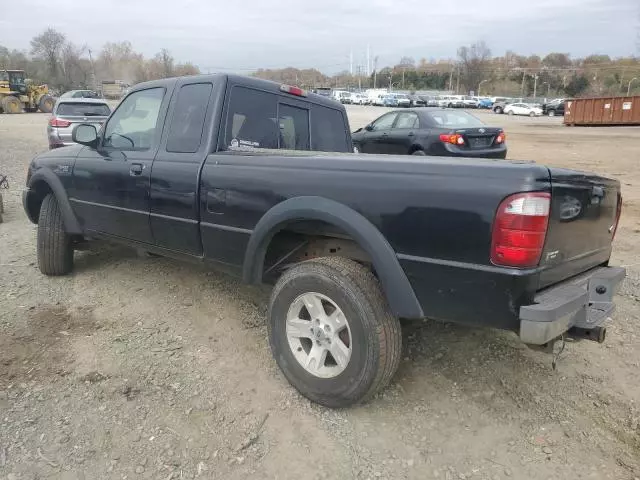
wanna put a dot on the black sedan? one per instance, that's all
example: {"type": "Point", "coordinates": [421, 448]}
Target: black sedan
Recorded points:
{"type": "Point", "coordinates": [430, 131]}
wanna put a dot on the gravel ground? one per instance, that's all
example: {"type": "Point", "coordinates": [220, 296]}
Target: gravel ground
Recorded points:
{"type": "Point", "coordinates": [138, 367]}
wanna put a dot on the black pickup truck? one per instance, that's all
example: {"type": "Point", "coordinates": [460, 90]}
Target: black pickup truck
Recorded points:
{"type": "Point", "coordinates": [257, 178]}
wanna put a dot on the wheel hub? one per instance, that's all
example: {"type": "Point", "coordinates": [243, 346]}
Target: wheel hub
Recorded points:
{"type": "Point", "coordinates": [319, 335]}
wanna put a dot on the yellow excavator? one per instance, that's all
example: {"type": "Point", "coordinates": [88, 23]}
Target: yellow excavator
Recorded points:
{"type": "Point", "coordinates": [18, 95]}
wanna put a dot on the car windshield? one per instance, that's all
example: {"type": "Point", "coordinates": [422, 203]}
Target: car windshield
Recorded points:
{"type": "Point", "coordinates": [447, 118]}
{"type": "Point", "coordinates": [402, 97]}
{"type": "Point", "coordinates": [68, 109]}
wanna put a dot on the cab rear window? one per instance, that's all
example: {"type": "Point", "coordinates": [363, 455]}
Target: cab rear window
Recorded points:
{"type": "Point", "coordinates": [69, 109]}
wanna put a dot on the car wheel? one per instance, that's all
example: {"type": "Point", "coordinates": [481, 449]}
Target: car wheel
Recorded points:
{"type": "Point", "coordinates": [532, 114]}
{"type": "Point", "coordinates": [551, 113]}
{"type": "Point", "coordinates": [54, 247]}
{"type": "Point", "coordinates": [510, 112]}
{"type": "Point", "coordinates": [332, 333]}
{"type": "Point", "coordinates": [356, 148]}
{"type": "Point", "coordinates": [419, 153]}
{"type": "Point", "coordinates": [498, 110]}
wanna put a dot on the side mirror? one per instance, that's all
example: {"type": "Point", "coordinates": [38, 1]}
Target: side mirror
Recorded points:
{"type": "Point", "coordinates": [85, 134]}
{"type": "Point", "coordinates": [368, 128]}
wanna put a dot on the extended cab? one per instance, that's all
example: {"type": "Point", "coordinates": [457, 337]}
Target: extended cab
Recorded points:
{"type": "Point", "coordinates": [255, 178]}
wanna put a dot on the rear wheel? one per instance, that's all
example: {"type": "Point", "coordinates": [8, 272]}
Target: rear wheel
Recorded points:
{"type": "Point", "coordinates": [419, 153]}
{"type": "Point", "coordinates": [498, 110]}
{"type": "Point", "coordinates": [332, 333]}
{"type": "Point", "coordinates": [11, 104]}
{"type": "Point", "coordinates": [532, 114]}
{"type": "Point", "coordinates": [551, 113]}
{"type": "Point", "coordinates": [356, 148]}
{"type": "Point", "coordinates": [510, 112]}
{"type": "Point", "coordinates": [45, 104]}
{"type": "Point", "coordinates": [55, 250]}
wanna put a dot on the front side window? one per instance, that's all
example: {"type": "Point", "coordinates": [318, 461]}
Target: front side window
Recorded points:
{"type": "Point", "coordinates": [133, 126]}
{"type": "Point", "coordinates": [187, 123]}
{"type": "Point", "coordinates": [384, 123]}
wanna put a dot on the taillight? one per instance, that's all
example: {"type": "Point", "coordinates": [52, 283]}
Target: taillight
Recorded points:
{"type": "Point", "coordinates": [454, 139]}
{"type": "Point", "coordinates": [57, 122]}
{"type": "Point", "coordinates": [293, 90]}
{"type": "Point", "coordinates": [618, 213]}
{"type": "Point", "coordinates": [501, 138]}
{"type": "Point", "coordinates": [519, 229]}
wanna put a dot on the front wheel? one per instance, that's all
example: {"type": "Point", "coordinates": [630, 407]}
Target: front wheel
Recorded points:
{"type": "Point", "coordinates": [510, 112]}
{"type": "Point", "coordinates": [419, 153]}
{"type": "Point", "coordinates": [498, 110]}
{"type": "Point", "coordinates": [551, 113]}
{"type": "Point", "coordinates": [356, 148]}
{"type": "Point", "coordinates": [54, 246]}
{"type": "Point", "coordinates": [332, 333]}
{"type": "Point", "coordinates": [532, 114]}
{"type": "Point", "coordinates": [46, 104]}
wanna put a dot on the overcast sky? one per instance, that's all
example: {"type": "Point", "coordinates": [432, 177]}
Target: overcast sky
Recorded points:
{"type": "Point", "coordinates": [243, 35]}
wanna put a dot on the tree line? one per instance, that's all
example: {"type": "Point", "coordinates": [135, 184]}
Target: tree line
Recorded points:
{"type": "Point", "coordinates": [476, 70]}
{"type": "Point", "coordinates": [63, 65]}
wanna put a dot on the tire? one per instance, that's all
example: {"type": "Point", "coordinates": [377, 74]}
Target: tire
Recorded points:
{"type": "Point", "coordinates": [356, 148]}
{"type": "Point", "coordinates": [55, 250]}
{"type": "Point", "coordinates": [11, 104]}
{"type": "Point", "coordinates": [419, 153]}
{"type": "Point", "coordinates": [511, 112]}
{"type": "Point", "coordinates": [531, 114]}
{"type": "Point", "coordinates": [372, 332]}
{"type": "Point", "coordinates": [498, 110]}
{"type": "Point", "coordinates": [46, 103]}
{"type": "Point", "coordinates": [551, 113]}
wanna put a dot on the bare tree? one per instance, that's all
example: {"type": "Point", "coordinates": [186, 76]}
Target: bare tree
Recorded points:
{"type": "Point", "coordinates": [474, 64]}
{"type": "Point", "coordinates": [48, 46]}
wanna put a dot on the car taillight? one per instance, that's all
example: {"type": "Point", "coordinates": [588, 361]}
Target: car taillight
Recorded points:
{"type": "Point", "coordinates": [56, 122]}
{"type": "Point", "coordinates": [454, 139]}
{"type": "Point", "coordinates": [618, 213]}
{"type": "Point", "coordinates": [501, 138]}
{"type": "Point", "coordinates": [519, 229]}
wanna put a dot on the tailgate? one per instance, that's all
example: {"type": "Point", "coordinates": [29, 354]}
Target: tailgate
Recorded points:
{"type": "Point", "coordinates": [581, 224]}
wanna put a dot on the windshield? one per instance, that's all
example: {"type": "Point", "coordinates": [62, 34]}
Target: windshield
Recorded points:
{"type": "Point", "coordinates": [83, 110]}
{"type": "Point", "coordinates": [453, 119]}
{"type": "Point", "coordinates": [402, 97]}
{"type": "Point", "coordinates": [4, 76]}
{"type": "Point", "coordinates": [16, 78]}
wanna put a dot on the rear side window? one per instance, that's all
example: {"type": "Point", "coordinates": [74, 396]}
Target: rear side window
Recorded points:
{"type": "Point", "coordinates": [252, 119]}
{"type": "Point", "coordinates": [187, 124]}
{"type": "Point", "coordinates": [294, 127]}
{"type": "Point", "coordinates": [407, 120]}
{"type": "Point", "coordinates": [68, 109]}
{"type": "Point", "coordinates": [328, 130]}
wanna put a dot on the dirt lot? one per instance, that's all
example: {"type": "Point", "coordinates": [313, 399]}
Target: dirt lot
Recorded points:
{"type": "Point", "coordinates": [146, 368]}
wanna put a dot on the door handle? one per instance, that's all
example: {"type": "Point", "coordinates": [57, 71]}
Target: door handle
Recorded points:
{"type": "Point", "coordinates": [136, 169]}
{"type": "Point", "coordinates": [411, 134]}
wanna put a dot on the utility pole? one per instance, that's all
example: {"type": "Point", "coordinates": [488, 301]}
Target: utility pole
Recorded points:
{"type": "Point", "coordinates": [403, 78]}
{"type": "Point", "coordinates": [351, 62]}
{"type": "Point", "coordinates": [375, 71]}
{"type": "Point", "coordinates": [450, 79]}
{"type": "Point", "coordinates": [458, 79]}
{"type": "Point", "coordinates": [535, 85]}
{"type": "Point", "coordinates": [368, 61]}
{"type": "Point", "coordinates": [94, 81]}
{"type": "Point", "coordinates": [524, 74]}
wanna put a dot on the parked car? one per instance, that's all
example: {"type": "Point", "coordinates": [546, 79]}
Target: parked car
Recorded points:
{"type": "Point", "coordinates": [438, 132]}
{"type": "Point", "coordinates": [359, 99]}
{"type": "Point", "coordinates": [485, 103]}
{"type": "Point", "coordinates": [345, 97]}
{"type": "Point", "coordinates": [523, 109]}
{"type": "Point", "coordinates": [469, 102]}
{"type": "Point", "coordinates": [71, 111]}
{"type": "Point", "coordinates": [499, 104]}
{"type": "Point", "coordinates": [430, 100]}
{"type": "Point", "coordinates": [324, 91]}
{"type": "Point", "coordinates": [403, 99]}
{"type": "Point", "coordinates": [455, 101]}
{"type": "Point", "coordinates": [416, 101]}
{"type": "Point", "coordinates": [554, 107]}
{"type": "Point", "coordinates": [389, 101]}
{"type": "Point", "coordinates": [378, 100]}
{"type": "Point", "coordinates": [217, 170]}
{"type": "Point", "coordinates": [81, 94]}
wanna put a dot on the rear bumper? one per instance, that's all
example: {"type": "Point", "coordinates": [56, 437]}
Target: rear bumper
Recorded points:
{"type": "Point", "coordinates": [583, 302]}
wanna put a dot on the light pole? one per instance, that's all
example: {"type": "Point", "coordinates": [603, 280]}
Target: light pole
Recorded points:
{"type": "Point", "coordinates": [548, 88]}
{"type": "Point", "coordinates": [480, 85]}
{"type": "Point", "coordinates": [629, 86]}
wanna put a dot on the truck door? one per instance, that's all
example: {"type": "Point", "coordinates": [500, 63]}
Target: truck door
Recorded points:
{"type": "Point", "coordinates": [110, 192]}
{"type": "Point", "coordinates": [175, 211]}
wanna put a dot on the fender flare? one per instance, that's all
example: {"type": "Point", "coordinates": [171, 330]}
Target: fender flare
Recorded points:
{"type": "Point", "coordinates": [395, 283]}
{"type": "Point", "coordinates": [47, 176]}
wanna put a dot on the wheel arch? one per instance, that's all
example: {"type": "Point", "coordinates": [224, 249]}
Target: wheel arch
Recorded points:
{"type": "Point", "coordinates": [41, 183]}
{"type": "Point", "coordinates": [394, 281]}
